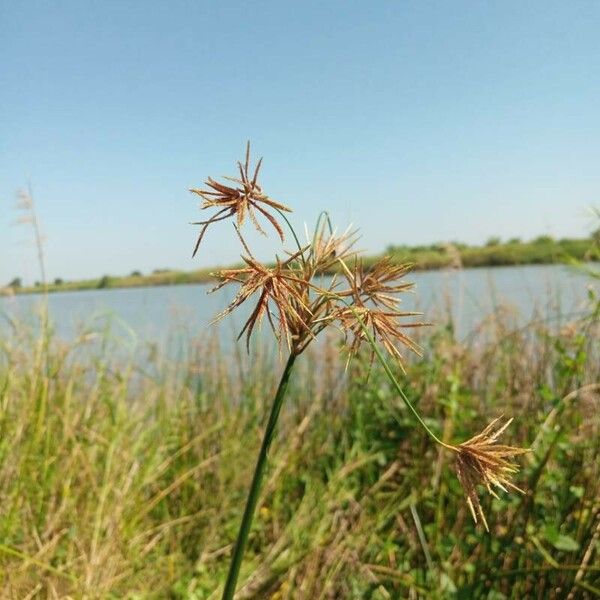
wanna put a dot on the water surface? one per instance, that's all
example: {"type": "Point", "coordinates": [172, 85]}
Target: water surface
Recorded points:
{"type": "Point", "coordinates": [156, 314]}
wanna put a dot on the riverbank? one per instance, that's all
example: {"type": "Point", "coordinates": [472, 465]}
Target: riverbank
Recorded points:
{"type": "Point", "coordinates": [543, 250]}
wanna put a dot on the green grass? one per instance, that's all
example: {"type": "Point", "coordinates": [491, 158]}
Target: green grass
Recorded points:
{"type": "Point", "coordinates": [161, 277]}
{"type": "Point", "coordinates": [495, 253]}
{"type": "Point", "coordinates": [118, 481]}
{"type": "Point", "coordinates": [436, 256]}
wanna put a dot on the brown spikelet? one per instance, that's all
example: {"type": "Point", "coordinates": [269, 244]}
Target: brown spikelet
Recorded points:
{"type": "Point", "coordinates": [481, 460]}
{"type": "Point", "coordinates": [374, 297]}
{"type": "Point", "coordinates": [328, 249]}
{"type": "Point", "coordinates": [245, 198]}
{"type": "Point", "coordinates": [278, 298]}
{"type": "Point", "coordinates": [382, 283]}
{"type": "Point", "coordinates": [384, 326]}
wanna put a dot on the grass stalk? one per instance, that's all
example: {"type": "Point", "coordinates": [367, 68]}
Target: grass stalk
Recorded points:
{"type": "Point", "coordinates": [253, 494]}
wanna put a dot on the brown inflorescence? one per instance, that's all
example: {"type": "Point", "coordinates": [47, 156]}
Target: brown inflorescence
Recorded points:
{"type": "Point", "coordinates": [481, 460]}
{"type": "Point", "coordinates": [243, 199]}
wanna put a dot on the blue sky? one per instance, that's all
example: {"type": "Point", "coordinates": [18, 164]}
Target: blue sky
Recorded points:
{"type": "Point", "coordinates": [417, 121]}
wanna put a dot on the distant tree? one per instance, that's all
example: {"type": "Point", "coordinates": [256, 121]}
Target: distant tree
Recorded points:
{"type": "Point", "coordinates": [58, 281]}
{"type": "Point", "coordinates": [16, 283]}
{"type": "Point", "coordinates": [595, 237]}
{"type": "Point", "coordinates": [515, 240]}
{"type": "Point", "coordinates": [493, 241]}
{"type": "Point", "coordinates": [159, 271]}
{"type": "Point", "coordinates": [104, 282]}
{"type": "Point", "coordinates": [459, 245]}
{"type": "Point", "coordinates": [37, 284]}
{"type": "Point", "coordinates": [543, 239]}
{"type": "Point", "coordinates": [136, 274]}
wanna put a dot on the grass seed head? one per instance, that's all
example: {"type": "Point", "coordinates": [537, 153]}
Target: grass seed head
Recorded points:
{"type": "Point", "coordinates": [381, 284]}
{"type": "Point", "coordinates": [386, 327]}
{"type": "Point", "coordinates": [244, 198]}
{"type": "Point", "coordinates": [374, 297]}
{"type": "Point", "coordinates": [481, 460]}
{"type": "Point", "coordinates": [327, 249]}
{"type": "Point", "coordinates": [277, 290]}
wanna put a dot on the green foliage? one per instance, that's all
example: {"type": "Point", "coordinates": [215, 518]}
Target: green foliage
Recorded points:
{"type": "Point", "coordinates": [104, 282]}
{"type": "Point", "coordinates": [543, 250]}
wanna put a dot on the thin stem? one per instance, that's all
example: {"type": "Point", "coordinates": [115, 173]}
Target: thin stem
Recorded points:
{"type": "Point", "coordinates": [261, 463]}
{"type": "Point", "coordinates": [38, 237]}
{"type": "Point", "coordinates": [388, 370]}
{"type": "Point", "coordinates": [392, 378]}
{"type": "Point", "coordinates": [293, 232]}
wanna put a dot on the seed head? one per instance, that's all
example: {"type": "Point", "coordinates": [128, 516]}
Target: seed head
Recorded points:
{"type": "Point", "coordinates": [245, 198]}
{"type": "Point", "coordinates": [373, 295]}
{"type": "Point", "coordinates": [380, 284]}
{"type": "Point", "coordinates": [481, 460]}
{"type": "Point", "coordinates": [384, 326]}
{"type": "Point", "coordinates": [327, 249]}
{"type": "Point", "coordinates": [277, 289]}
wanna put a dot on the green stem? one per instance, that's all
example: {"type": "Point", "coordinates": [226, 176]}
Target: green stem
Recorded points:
{"type": "Point", "coordinates": [292, 230]}
{"type": "Point", "coordinates": [390, 374]}
{"type": "Point", "coordinates": [395, 383]}
{"type": "Point", "coordinates": [261, 463]}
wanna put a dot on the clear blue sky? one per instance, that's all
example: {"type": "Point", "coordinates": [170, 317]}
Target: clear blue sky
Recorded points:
{"type": "Point", "coordinates": [418, 121]}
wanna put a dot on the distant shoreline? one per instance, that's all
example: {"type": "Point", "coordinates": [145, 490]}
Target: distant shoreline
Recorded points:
{"type": "Point", "coordinates": [543, 251]}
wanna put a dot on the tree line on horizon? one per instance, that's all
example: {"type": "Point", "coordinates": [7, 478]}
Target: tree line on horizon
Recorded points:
{"type": "Point", "coordinates": [539, 250]}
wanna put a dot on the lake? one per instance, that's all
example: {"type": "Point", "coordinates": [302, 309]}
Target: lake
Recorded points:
{"type": "Point", "coordinates": [158, 314]}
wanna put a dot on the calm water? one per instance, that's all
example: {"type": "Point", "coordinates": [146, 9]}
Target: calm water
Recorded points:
{"type": "Point", "coordinates": [157, 314]}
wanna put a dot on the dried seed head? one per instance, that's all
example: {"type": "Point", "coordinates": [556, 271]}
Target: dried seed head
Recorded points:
{"type": "Point", "coordinates": [277, 289]}
{"type": "Point", "coordinates": [385, 327]}
{"type": "Point", "coordinates": [380, 284]}
{"type": "Point", "coordinates": [481, 460]}
{"type": "Point", "coordinates": [327, 249]}
{"type": "Point", "coordinates": [245, 198]}
{"type": "Point", "coordinates": [373, 294]}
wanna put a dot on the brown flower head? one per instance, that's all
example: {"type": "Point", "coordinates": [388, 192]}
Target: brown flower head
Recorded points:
{"type": "Point", "coordinates": [245, 198]}
{"type": "Point", "coordinates": [482, 460]}
{"type": "Point", "coordinates": [373, 298]}
{"type": "Point", "coordinates": [382, 283]}
{"type": "Point", "coordinates": [278, 297]}
{"type": "Point", "coordinates": [384, 326]}
{"type": "Point", "coordinates": [312, 298]}
{"type": "Point", "coordinates": [327, 249]}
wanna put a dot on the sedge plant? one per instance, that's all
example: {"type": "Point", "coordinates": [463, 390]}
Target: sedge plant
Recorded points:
{"type": "Point", "coordinates": [320, 283]}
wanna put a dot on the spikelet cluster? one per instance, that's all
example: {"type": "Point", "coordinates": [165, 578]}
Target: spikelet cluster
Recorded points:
{"type": "Point", "coordinates": [290, 294]}
{"type": "Point", "coordinates": [244, 198]}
